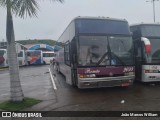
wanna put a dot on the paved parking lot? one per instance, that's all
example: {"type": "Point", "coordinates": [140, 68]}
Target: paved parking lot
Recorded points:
{"type": "Point", "coordinates": [36, 83]}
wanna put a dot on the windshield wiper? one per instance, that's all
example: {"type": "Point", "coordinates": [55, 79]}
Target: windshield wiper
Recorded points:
{"type": "Point", "coordinates": [104, 55]}
{"type": "Point", "coordinates": [110, 56]}
{"type": "Point", "coordinates": [117, 58]}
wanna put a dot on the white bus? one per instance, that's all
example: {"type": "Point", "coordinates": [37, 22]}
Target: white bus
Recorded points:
{"type": "Point", "coordinates": [48, 56]}
{"type": "Point", "coordinates": [4, 59]}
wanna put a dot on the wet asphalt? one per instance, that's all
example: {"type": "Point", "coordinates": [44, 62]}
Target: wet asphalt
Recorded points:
{"type": "Point", "coordinates": [36, 83]}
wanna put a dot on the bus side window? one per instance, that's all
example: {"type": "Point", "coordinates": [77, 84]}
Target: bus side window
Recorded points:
{"type": "Point", "coordinates": [67, 54]}
{"type": "Point", "coordinates": [20, 54]}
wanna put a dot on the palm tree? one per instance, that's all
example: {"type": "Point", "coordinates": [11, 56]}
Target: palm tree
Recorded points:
{"type": "Point", "coordinates": [19, 8]}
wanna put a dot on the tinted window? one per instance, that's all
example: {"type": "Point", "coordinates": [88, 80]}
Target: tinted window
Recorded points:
{"type": "Point", "coordinates": [67, 53]}
{"type": "Point", "coordinates": [121, 49]}
{"type": "Point", "coordinates": [102, 26]}
{"type": "Point", "coordinates": [1, 52]}
{"type": "Point", "coordinates": [155, 50]}
{"type": "Point", "coordinates": [20, 54]}
{"type": "Point", "coordinates": [48, 55]}
{"type": "Point", "coordinates": [91, 49]}
{"type": "Point", "coordinates": [151, 30]}
{"type": "Point", "coordinates": [33, 53]}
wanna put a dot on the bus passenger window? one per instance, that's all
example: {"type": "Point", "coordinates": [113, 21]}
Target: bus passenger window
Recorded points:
{"type": "Point", "coordinates": [20, 54]}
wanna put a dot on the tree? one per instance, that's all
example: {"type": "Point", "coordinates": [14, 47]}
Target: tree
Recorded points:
{"type": "Point", "coordinates": [19, 8]}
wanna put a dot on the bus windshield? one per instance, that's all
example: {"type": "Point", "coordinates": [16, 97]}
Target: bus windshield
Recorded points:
{"type": "Point", "coordinates": [122, 49]}
{"type": "Point", "coordinates": [48, 54]}
{"type": "Point", "coordinates": [150, 30]}
{"type": "Point", "coordinates": [103, 50]}
{"type": "Point", "coordinates": [155, 52]}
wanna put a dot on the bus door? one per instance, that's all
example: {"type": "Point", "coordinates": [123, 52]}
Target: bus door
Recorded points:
{"type": "Point", "coordinates": [138, 59]}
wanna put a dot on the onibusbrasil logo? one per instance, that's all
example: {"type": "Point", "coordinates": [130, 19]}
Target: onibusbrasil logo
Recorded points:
{"type": "Point", "coordinates": [21, 114]}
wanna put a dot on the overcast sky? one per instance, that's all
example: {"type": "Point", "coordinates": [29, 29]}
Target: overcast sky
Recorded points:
{"type": "Point", "coordinates": [53, 18]}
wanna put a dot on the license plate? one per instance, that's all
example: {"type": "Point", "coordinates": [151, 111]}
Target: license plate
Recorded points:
{"type": "Point", "coordinates": [124, 84]}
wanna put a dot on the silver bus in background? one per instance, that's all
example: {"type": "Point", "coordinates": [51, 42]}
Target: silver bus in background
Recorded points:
{"type": "Point", "coordinates": [146, 39]}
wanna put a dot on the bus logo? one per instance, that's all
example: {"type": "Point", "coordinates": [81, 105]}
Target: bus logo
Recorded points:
{"type": "Point", "coordinates": [128, 69]}
{"type": "Point", "coordinates": [92, 71]}
{"type": "Point", "coordinates": [154, 67]}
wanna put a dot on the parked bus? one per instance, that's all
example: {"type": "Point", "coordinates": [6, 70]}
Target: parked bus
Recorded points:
{"type": "Point", "coordinates": [4, 59]}
{"type": "Point", "coordinates": [147, 48]}
{"type": "Point", "coordinates": [48, 56]}
{"type": "Point", "coordinates": [34, 57]}
{"type": "Point", "coordinates": [98, 52]}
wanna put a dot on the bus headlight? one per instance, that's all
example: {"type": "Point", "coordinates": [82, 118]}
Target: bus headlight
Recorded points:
{"type": "Point", "coordinates": [151, 71]}
{"type": "Point", "coordinates": [87, 75]}
{"type": "Point", "coordinates": [129, 73]}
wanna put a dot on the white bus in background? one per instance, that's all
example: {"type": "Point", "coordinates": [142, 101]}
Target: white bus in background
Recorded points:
{"type": "Point", "coordinates": [48, 56]}
{"type": "Point", "coordinates": [4, 59]}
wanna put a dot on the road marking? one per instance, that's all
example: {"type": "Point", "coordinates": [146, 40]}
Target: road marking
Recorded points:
{"type": "Point", "coordinates": [53, 82]}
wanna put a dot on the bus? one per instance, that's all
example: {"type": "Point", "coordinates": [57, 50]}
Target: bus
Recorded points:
{"type": "Point", "coordinates": [97, 52]}
{"type": "Point", "coordinates": [146, 39]}
{"type": "Point", "coordinates": [34, 57]}
{"type": "Point", "coordinates": [4, 59]}
{"type": "Point", "coordinates": [48, 56]}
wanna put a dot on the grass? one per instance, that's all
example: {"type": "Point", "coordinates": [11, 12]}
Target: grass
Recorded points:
{"type": "Point", "coordinates": [17, 106]}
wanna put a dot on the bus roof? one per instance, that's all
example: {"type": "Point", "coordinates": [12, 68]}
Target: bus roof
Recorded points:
{"type": "Point", "coordinates": [48, 52]}
{"type": "Point", "coordinates": [139, 24]}
{"type": "Point", "coordinates": [101, 18]}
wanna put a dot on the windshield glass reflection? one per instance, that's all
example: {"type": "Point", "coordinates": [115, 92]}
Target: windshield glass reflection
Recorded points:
{"type": "Point", "coordinates": [111, 50]}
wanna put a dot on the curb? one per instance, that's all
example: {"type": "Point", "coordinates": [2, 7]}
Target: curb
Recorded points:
{"type": "Point", "coordinates": [3, 69]}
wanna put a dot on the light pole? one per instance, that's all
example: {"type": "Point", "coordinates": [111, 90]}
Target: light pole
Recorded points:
{"type": "Point", "coordinates": [153, 9]}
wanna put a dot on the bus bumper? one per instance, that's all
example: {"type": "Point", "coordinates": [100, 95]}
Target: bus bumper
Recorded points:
{"type": "Point", "coordinates": [105, 82]}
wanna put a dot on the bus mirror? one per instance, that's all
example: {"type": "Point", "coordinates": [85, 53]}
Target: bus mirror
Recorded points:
{"type": "Point", "coordinates": [147, 44]}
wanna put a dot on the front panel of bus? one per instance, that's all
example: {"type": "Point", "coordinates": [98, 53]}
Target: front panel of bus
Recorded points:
{"type": "Point", "coordinates": [104, 60]}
